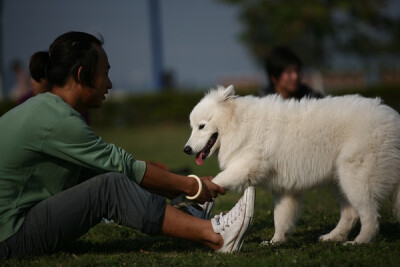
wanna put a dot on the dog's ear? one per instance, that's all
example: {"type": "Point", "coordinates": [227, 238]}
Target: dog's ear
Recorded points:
{"type": "Point", "coordinates": [228, 93]}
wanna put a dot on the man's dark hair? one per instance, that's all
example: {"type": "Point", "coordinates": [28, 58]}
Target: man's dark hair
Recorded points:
{"type": "Point", "coordinates": [66, 55]}
{"type": "Point", "coordinates": [38, 65]}
{"type": "Point", "coordinates": [279, 59]}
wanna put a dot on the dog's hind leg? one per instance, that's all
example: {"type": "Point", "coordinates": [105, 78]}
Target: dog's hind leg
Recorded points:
{"type": "Point", "coordinates": [286, 211]}
{"type": "Point", "coordinates": [369, 219]}
{"type": "Point", "coordinates": [348, 219]}
{"type": "Point", "coordinates": [356, 179]}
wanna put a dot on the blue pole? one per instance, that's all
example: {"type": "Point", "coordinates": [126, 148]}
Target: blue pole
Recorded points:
{"type": "Point", "coordinates": [2, 93]}
{"type": "Point", "coordinates": [156, 44]}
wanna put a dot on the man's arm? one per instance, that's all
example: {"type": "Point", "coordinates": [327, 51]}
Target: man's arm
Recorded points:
{"type": "Point", "coordinates": [171, 185]}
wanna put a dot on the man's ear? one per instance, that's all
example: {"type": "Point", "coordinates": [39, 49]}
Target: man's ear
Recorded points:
{"type": "Point", "coordinates": [78, 76]}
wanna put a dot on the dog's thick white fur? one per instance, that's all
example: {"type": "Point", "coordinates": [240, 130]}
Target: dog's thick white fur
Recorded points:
{"type": "Point", "coordinates": [289, 146]}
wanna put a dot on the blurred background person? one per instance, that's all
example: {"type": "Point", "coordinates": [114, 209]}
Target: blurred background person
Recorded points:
{"type": "Point", "coordinates": [39, 83]}
{"type": "Point", "coordinates": [283, 69]}
{"type": "Point", "coordinates": [22, 88]}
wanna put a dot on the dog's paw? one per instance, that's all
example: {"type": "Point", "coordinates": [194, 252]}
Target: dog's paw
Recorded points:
{"type": "Point", "coordinates": [269, 243]}
{"type": "Point", "coordinates": [332, 238]}
{"type": "Point", "coordinates": [278, 239]}
{"type": "Point", "coordinates": [350, 243]}
{"type": "Point", "coordinates": [355, 242]}
{"type": "Point", "coordinates": [265, 243]}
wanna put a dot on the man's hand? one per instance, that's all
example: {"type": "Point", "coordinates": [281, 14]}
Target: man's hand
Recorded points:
{"type": "Point", "coordinates": [209, 190]}
{"type": "Point", "coordinates": [171, 185]}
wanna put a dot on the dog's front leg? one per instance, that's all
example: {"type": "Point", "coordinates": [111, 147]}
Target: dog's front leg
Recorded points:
{"type": "Point", "coordinates": [235, 177]}
{"type": "Point", "coordinates": [286, 211]}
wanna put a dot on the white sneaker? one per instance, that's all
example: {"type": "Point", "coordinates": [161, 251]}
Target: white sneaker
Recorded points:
{"type": "Point", "coordinates": [234, 225]}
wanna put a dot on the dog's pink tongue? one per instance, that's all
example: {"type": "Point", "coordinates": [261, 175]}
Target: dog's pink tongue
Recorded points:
{"type": "Point", "coordinates": [199, 159]}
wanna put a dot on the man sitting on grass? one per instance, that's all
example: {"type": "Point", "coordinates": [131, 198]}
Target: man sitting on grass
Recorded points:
{"type": "Point", "coordinates": [58, 179]}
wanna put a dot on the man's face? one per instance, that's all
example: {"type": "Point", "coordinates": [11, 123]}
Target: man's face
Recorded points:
{"type": "Point", "coordinates": [95, 95]}
{"type": "Point", "coordinates": [289, 80]}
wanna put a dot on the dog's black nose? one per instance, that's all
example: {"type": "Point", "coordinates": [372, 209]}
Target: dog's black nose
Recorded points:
{"type": "Point", "coordinates": [187, 150]}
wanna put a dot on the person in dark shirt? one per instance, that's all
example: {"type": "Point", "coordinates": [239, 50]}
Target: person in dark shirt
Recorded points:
{"type": "Point", "coordinates": [283, 68]}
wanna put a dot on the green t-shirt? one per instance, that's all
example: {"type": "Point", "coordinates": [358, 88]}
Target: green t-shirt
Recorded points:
{"type": "Point", "coordinates": [45, 146]}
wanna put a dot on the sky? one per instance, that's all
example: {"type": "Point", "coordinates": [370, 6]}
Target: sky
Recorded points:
{"type": "Point", "coordinates": [200, 38]}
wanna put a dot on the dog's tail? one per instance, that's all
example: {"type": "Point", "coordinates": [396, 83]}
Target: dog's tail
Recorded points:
{"type": "Point", "coordinates": [396, 202]}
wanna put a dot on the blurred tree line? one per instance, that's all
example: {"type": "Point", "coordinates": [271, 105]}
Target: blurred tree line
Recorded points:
{"type": "Point", "coordinates": [175, 107]}
{"type": "Point", "coordinates": [317, 28]}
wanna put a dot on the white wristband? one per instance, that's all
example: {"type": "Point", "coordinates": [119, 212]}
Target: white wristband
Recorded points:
{"type": "Point", "coordinates": [200, 187]}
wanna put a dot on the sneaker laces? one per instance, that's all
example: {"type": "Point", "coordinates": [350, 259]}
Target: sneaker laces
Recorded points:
{"type": "Point", "coordinates": [220, 221]}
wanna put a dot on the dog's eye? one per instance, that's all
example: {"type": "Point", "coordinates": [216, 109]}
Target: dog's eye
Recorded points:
{"type": "Point", "coordinates": [201, 126]}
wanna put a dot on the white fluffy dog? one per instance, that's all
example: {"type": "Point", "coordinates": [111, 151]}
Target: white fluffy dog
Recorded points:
{"type": "Point", "coordinates": [289, 146]}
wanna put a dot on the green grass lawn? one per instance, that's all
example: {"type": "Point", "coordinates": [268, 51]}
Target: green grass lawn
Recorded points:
{"type": "Point", "coordinates": [113, 245]}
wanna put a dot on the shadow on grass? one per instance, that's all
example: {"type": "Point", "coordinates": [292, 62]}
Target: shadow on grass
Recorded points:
{"type": "Point", "coordinates": [390, 231]}
{"type": "Point", "coordinates": [113, 239]}
{"type": "Point", "coordinates": [137, 244]}
{"type": "Point", "coordinates": [307, 232]}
